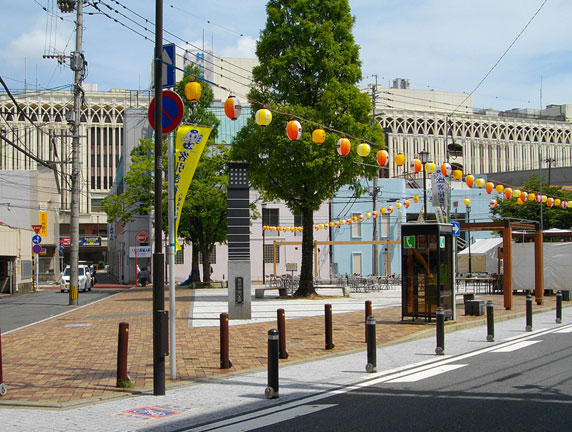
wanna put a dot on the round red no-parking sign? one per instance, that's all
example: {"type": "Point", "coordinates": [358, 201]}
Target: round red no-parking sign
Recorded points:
{"type": "Point", "coordinates": [142, 236]}
{"type": "Point", "coordinates": [172, 111]}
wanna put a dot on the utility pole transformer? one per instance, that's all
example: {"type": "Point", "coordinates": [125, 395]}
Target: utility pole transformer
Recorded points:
{"type": "Point", "coordinates": [77, 64]}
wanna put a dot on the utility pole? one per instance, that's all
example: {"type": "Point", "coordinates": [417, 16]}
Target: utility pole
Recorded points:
{"type": "Point", "coordinates": [549, 161]}
{"type": "Point", "coordinates": [77, 64]}
{"type": "Point", "coordinates": [375, 246]}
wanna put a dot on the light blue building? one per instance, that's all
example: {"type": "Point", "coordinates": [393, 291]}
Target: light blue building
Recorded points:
{"type": "Point", "coordinates": [392, 194]}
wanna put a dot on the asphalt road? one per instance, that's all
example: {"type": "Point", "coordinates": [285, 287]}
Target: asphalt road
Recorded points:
{"type": "Point", "coordinates": [22, 310]}
{"type": "Point", "coordinates": [520, 385]}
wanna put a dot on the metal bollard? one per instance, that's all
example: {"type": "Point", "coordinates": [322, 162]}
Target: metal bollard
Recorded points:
{"type": "Point", "coordinates": [440, 318]}
{"type": "Point", "coordinates": [367, 313]}
{"type": "Point", "coordinates": [271, 392]}
{"type": "Point", "coordinates": [371, 365]}
{"type": "Point", "coordinates": [122, 344]}
{"type": "Point", "coordinates": [328, 318]}
{"type": "Point", "coordinates": [225, 362]}
{"type": "Point", "coordinates": [283, 354]}
{"type": "Point", "coordinates": [558, 307]}
{"type": "Point", "coordinates": [528, 313]}
{"type": "Point", "coordinates": [490, 322]}
{"type": "Point", "coordinates": [3, 388]}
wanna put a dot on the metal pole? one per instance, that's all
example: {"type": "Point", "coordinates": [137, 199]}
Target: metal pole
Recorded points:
{"type": "Point", "coordinates": [271, 391]}
{"type": "Point", "coordinates": [3, 389]}
{"type": "Point", "coordinates": [424, 196]}
{"type": "Point", "coordinates": [367, 314]}
{"type": "Point", "coordinates": [328, 326]}
{"type": "Point", "coordinates": [440, 318]}
{"type": "Point", "coordinates": [528, 313]}
{"type": "Point", "coordinates": [371, 365]}
{"type": "Point", "coordinates": [469, 221]}
{"type": "Point", "coordinates": [375, 246]}
{"type": "Point", "coordinates": [171, 218]}
{"type": "Point", "coordinates": [158, 258]}
{"type": "Point", "coordinates": [558, 307]}
{"type": "Point", "coordinates": [122, 344]}
{"type": "Point", "coordinates": [78, 68]}
{"type": "Point", "coordinates": [281, 320]}
{"type": "Point", "coordinates": [490, 322]}
{"type": "Point", "coordinates": [225, 362]}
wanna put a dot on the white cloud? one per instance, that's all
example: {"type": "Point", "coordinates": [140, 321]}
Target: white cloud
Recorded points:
{"type": "Point", "coordinates": [245, 47]}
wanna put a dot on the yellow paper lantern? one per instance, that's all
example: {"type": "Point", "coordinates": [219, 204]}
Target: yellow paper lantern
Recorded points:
{"type": "Point", "coordinates": [263, 117]}
{"type": "Point", "coordinates": [470, 180]}
{"type": "Point", "coordinates": [480, 182]}
{"type": "Point", "coordinates": [193, 91]}
{"type": "Point", "coordinates": [354, 218]}
{"type": "Point", "coordinates": [367, 215]}
{"type": "Point", "coordinates": [332, 224]}
{"type": "Point", "coordinates": [382, 157]}
{"type": "Point", "coordinates": [519, 201]}
{"type": "Point", "coordinates": [382, 210]}
{"type": "Point", "coordinates": [516, 193]}
{"type": "Point", "coordinates": [363, 149]}
{"type": "Point", "coordinates": [343, 221]}
{"type": "Point", "coordinates": [457, 174]}
{"type": "Point", "coordinates": [531, 196]}
{"type": "Point", "coordinates": [467, 201]}
{"type": "Point", "coordinates": [319, 136]}
{"type": "Point", "coordinates": [544, 198]}
{"type": "Point", "coordinates": [489, 187]}
{"type": "Point", "coordinates": [499, 188]}
{"type": "Point", "coordinates": [398, 205]}
{"type": "Point", "coordinates": [430, 167]}
{"type": "Point", "coordinates": [557, 202]}
{"type": "Point", "coordinates": [399, 159]}
{"type": "Point", "coordinates": [416, 198]}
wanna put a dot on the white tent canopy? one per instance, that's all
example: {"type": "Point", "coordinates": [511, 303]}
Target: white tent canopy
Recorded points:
{"type": "Point", "coordinates": [484, 256]}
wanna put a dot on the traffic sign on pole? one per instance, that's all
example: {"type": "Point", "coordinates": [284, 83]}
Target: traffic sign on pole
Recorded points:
{"type": "Point", "coordinates": [456, 229]}
{"type": "Point", "coordinates": [172, 111]}
{"type": "Point", "coordinates": [168, 63]}
{"type": "Point", "coordinates": [37, 249]}
{"type": "Point", "coordinates": [141, 236]}
{"type": "Point", "coordinates": [37, 228]}
{"type": "Point", "coordinates": [36, 239]}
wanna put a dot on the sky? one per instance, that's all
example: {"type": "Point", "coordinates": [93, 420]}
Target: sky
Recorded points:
{"type": "Point", "coordinates": [444, 45]}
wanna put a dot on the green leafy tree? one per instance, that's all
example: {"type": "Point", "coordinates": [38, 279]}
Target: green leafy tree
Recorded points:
{"type": "Point", "coordinates": [309, 68]}
{"type": "Point", "coordinates": [203, 217]}
{"type": "Point", "coordinates": [552, 217]}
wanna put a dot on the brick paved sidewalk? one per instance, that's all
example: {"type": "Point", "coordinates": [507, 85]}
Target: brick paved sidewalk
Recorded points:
{"type": "Point", "coordinates": [72, 359]}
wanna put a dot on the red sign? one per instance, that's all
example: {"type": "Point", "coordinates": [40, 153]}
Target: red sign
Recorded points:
{"type": "Point", "coordinates": [37, 249]}
{"type": "Point", "coordinates": [172, 107]}
{"type": "Point", "coordinates": [37, 228]}
{"type": "Point", "coordinates": [65, 241]}
{"type": "Point", "coordinates": [142, 236]}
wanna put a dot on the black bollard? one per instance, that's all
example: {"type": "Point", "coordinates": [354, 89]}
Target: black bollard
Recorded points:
{"type": "Point", "coordinates": [490, 322]}
{"type": "Point", "coordinates": [367, 313]}
{"type": "Point", "coordinates": [371, 365]}
{"type": "Point", "coordinates": [558, 307]}
{"type": "Point", "coordinates": [3, 388]}
{"type": "Point", "coordinates": [328, 318]}
{"type": "Point", "coordinates": [440, 318]}
{"type": "Point", "coordinates": [271, 392]}
{"type": "Point", "coordinates": [225, 362]}
{"type": "Point", "coordinates": [283, 354]}
{"type": "Point", "coordinates": [122, 344]}
{"type": "Point", "coordinates": [528, 327]}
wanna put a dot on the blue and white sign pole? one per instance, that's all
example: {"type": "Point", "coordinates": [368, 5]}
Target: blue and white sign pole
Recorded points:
{"type": "Point", "coordinates": [171, 219]}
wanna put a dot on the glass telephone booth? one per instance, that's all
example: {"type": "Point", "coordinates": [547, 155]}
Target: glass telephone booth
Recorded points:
{"type": "Point", "coordinates": [426, 270]}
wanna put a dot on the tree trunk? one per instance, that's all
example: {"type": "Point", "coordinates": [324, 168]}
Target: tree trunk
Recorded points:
{"type": "Point", "coordinates": [206, 267]}
{"type": "Point", "coordinates": [306, 287]}
{"type": "Point", "coordinates": [195, 273]}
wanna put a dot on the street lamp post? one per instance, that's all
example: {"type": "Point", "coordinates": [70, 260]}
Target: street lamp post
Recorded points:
{"type": "Point", "coordinates": [263, 245]}
{"type": "Point", "coordinates": [424, 157]}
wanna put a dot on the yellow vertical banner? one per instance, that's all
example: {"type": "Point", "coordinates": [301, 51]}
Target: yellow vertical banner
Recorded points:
{"type": "Point", "coordinates": [43, 219]}
{"type": "Point", "coordinates": [189, 144]}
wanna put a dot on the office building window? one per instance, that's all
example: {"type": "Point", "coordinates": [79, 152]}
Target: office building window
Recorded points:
{"type": "Point", "coordinates": [268, 254]}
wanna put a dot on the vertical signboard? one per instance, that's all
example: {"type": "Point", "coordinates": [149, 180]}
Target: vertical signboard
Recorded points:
{"type": "Point", "coordinates": [43, 219]}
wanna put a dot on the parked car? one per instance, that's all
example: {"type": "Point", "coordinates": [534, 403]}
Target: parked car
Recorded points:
{"type": "Point", "coordinates": [91, 267]}
{"type": "Point", "coordinates": [83, 276]}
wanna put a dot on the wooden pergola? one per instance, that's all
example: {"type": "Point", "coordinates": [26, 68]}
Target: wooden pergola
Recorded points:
{"type": "Point", "coordinates": [506, 228]}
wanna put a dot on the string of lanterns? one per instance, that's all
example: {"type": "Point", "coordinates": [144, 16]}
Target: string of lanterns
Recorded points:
{"type": "Point", "coordinates": [263, 117]}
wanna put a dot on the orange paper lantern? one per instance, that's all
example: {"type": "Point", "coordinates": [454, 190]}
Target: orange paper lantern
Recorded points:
{"type": "Point", "coordinates": [344, 146]}
{"type": "Point", "coordinates": [294, 130]}
{"type": "Point", "coordinates": [470, 180]}
{"type": "Point", "coordinates": [382, 158]}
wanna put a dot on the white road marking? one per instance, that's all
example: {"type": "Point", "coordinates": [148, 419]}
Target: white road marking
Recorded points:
{"type": "Point", "coordinates": [564, 330]}
{"type": "Point", "coordinates": [257, 422]}
{"type": "Point", "coordinates": [516, 346]}
{"type": "Point", "coordinates": [426, 373]}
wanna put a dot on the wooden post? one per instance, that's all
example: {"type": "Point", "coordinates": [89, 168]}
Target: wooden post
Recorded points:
{"type": "Point", "coordinates": [507, 265]}
{"type": "Point", "coordinates": [538, 267]}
